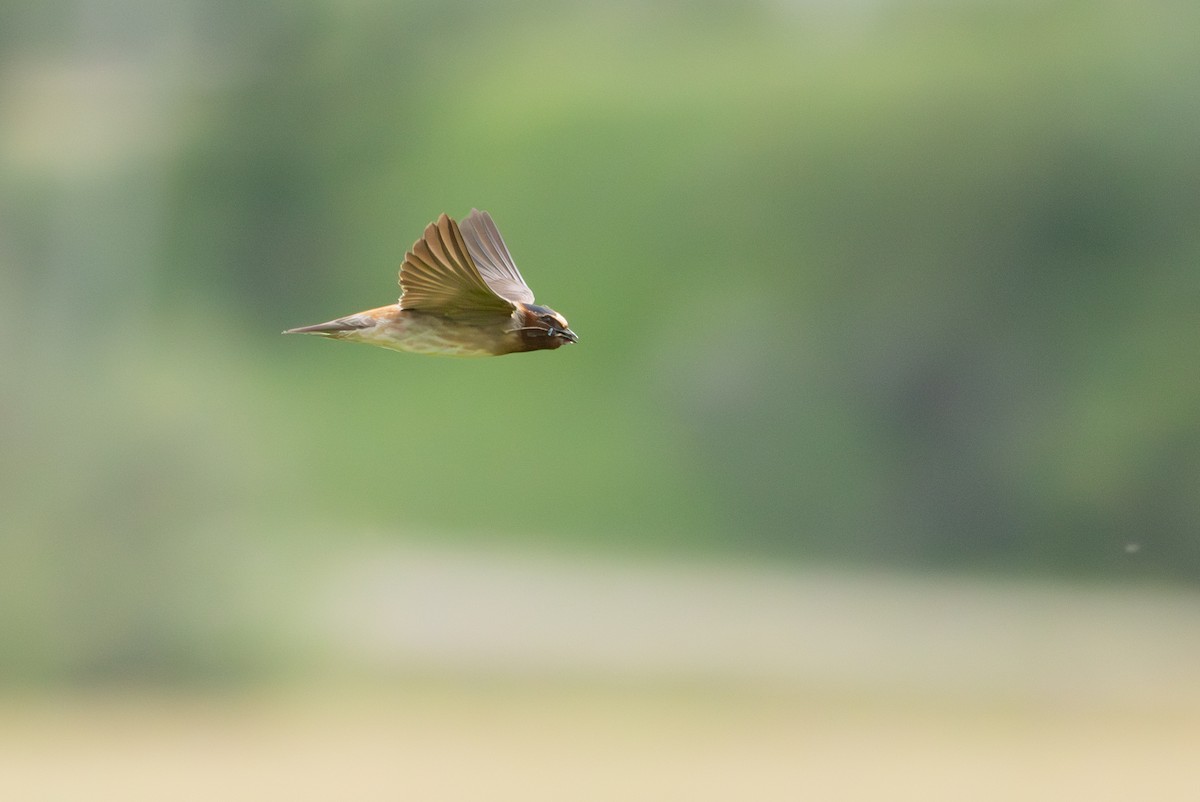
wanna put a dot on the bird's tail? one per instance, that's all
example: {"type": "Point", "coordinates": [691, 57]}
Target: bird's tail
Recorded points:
{"type": "Point", "coordinates": [335, 327]}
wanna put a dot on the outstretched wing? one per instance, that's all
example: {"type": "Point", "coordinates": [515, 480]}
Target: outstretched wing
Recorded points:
{"type": "Point", "coordinates": [439, 276]}
{"type": "Point", "coordinates": [492, 258]}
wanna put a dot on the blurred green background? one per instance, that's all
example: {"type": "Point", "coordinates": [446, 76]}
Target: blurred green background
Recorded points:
{"type": "Point", "coordinates": [874, 476]}
{"type": "Point", "coordinates": [898, 285]}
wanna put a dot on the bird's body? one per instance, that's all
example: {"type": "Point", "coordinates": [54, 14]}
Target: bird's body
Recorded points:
{"type": "Point", "coordinates": [462, 296]}
{"type": "Point", "coordinates": [426, 333]}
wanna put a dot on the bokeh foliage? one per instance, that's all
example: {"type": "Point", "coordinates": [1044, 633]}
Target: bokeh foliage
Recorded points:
{"type": "Point", "coordinates": [902, 283]}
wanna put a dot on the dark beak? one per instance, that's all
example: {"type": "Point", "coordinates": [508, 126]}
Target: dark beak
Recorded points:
{"type": "Point", "coordinates": [568, 335]}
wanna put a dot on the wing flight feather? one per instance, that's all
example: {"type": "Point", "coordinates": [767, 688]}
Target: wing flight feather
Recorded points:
{"type": "Point", "coordinates": [440, 276]}
{"type": "Point", "coordinates": [495, 264]}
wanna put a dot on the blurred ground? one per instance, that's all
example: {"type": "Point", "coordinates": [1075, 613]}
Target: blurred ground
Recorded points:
{"type": "Point", "coordinates": [480, 742]}
{"type": "Point", "coordinates": [465, 675]}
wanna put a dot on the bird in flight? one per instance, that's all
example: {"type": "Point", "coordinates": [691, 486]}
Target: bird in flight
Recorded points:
{"type": "Point", "coordinates": [461, 295]}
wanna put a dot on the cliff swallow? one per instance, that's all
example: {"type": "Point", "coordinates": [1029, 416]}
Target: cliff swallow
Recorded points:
{"type": "Point", "coordinates": [461, 295]}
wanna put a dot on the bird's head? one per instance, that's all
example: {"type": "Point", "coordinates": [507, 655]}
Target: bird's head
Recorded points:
{"type": "Point", "coordinates": [541, 327]}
